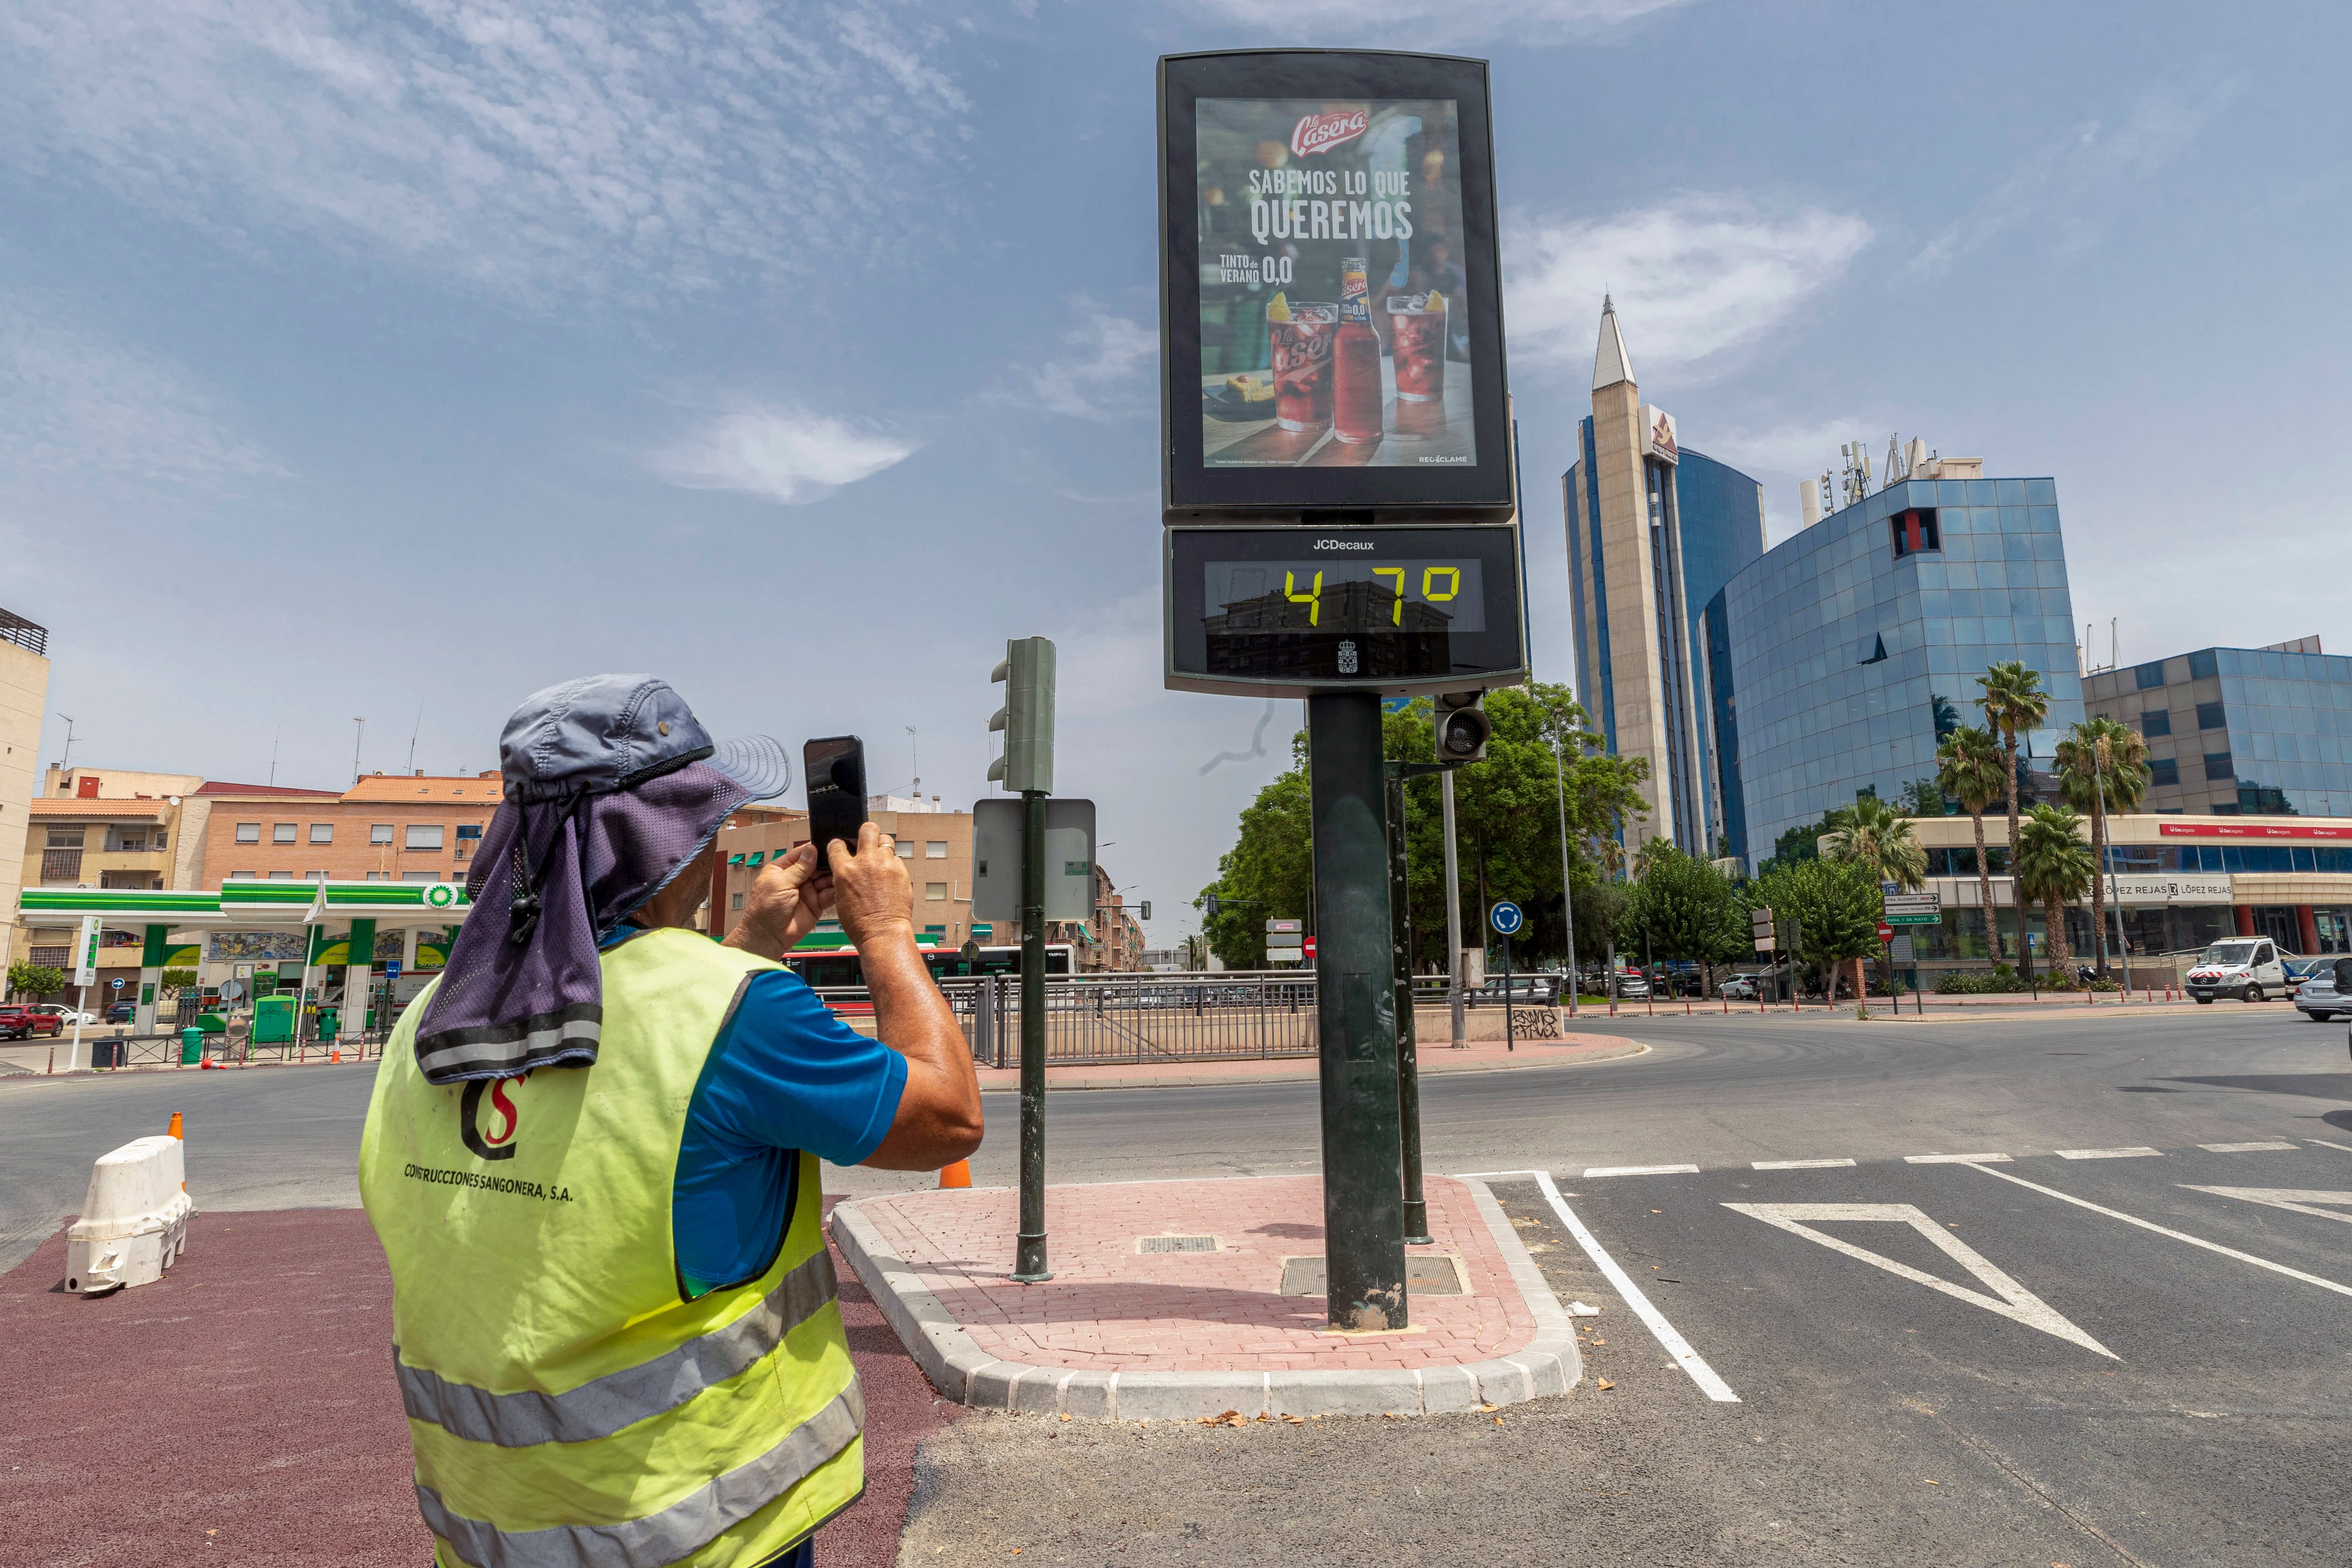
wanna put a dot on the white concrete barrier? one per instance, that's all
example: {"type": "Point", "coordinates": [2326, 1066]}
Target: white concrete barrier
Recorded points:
{"type": "Point", "coordinates": [134, 1223]}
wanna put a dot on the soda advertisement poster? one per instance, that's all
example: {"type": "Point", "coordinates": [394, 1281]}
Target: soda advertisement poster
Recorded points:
{"type": "Point", "coordinates": [1334, 310]}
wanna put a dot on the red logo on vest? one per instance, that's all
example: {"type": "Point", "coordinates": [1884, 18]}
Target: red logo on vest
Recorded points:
{"type": "Point", "coordinates": [495, 1141]}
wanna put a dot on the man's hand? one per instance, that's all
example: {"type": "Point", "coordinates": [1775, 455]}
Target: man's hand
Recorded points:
{"type": "Point", "coordinates": [871, 891]}
{"type": "Point", "coordinates": [786, 901]}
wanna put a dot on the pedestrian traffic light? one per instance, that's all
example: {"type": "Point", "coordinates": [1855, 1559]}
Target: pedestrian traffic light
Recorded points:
{"type": "Point", "coordinates": [1462, 726]}
{"type": "Point", "coordinates": [1027, 716]}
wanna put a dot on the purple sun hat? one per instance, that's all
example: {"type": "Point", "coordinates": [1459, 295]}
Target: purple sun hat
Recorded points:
{"type": "Point", "coordinates": [613, 786]}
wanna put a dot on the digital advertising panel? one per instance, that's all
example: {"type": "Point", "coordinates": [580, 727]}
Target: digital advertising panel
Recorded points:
{"type": "Point", "coordinates": [1331, 318]}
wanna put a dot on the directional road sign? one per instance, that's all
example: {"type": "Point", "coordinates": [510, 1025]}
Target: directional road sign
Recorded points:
{"type": "Point", "coordinates": [1506, 918]}
{"type": "Point", "coordinates": [1914, 908]}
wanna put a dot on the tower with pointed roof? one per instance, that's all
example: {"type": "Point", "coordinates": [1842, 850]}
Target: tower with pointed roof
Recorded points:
{"type": "Point", "coordinates": [1644, 570]}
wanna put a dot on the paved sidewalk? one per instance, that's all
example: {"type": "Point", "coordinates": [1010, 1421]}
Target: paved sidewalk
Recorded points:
{"type": "Point", "coordinates": [1122, 1334]}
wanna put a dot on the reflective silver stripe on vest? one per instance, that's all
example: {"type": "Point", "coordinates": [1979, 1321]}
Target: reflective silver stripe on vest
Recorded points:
{"type": "Point", "coordinates": [675, 1531]}
{"type": "Point", "coordinates": [621, 1399]}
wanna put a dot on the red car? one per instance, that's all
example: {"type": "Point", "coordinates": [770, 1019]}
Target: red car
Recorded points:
{"type": "Point", "coordinates": [19, 1020]}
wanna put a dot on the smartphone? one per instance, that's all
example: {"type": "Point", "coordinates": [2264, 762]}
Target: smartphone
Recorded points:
{"type": "Point", "coordinates": [835, 771]}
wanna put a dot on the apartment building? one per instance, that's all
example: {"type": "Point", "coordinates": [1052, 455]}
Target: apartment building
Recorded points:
{"type": "Point", "coordinates": [389, 826]}
{"type": "Point", "coordinates": [24, 698]}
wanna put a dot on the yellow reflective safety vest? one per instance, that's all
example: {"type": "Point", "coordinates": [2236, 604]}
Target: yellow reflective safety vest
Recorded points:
{"type": "Point", "coordinates": [570, 1407]}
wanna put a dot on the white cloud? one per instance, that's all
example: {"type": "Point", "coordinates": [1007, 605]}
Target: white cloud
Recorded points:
{"type": "Point", "coordinates": [1693, 277]}
{"type": "Point", "coordinates": [77, 405]}
{"type": "Point", "coordinates": [2077, 183]}
{"type": "Point", "coordinates": [1109, 373]}
{"type": "Point", "coordinates": [535, 150]}
{"type": "Point", "coordinates": [1413, 24]}
{"type": "Point", "coordinates": [784, 454]}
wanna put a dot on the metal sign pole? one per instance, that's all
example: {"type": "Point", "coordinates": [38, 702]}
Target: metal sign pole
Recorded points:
{"type": "Point", "coordinates": [1355, 1005]}
{"type": "Point", "coordinates": [1029, 1254]}
{"type": "Point", "coordinates": [1452, 913]}
{"type": "Point", "coordinates": [1416, 1208]}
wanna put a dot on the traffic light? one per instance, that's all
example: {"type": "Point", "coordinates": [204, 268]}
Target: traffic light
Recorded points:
{"type": "Point", "coordinates": [1027, 716]}
{"type": "Point", "coordinates": [1147, 910]}
{"type": "Point", "coordinates": [1462, 726]}
{"type": "Point", "coordinates": [1208, 905]}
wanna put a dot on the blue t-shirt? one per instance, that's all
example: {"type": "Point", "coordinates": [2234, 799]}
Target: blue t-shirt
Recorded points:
{"type": "Point", "coordinates": [785, 1074]}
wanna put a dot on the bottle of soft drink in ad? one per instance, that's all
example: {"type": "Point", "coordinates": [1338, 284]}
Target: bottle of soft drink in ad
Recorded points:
{"type": "Point", "coordinates": [1355, 360]}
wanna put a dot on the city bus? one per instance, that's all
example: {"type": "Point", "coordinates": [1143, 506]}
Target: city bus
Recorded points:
{"type": "Point", "coordinates": [836, 970]}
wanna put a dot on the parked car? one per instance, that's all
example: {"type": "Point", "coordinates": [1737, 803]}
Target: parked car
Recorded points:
{"type": "Point", "coordinates": [1741, 988]}
{"type": "Point", "coordinates": [1537, 990]}
{"type": "Point", "coordinates": [121, 1012]}
{"type": "Point", "coordinates": [64, 1014]}
{"type": "Point", "coordinates": [2246, 968]}
{"type": "Point", "coordinates": [18, 1022]}
{"type": "Point", "coordinates": [2326, 992]}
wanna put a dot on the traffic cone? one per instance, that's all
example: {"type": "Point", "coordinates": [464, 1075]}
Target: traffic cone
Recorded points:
{"type": "Point", "coordinates": [335, 1055]}
{"type": "Point", "coordinates": [176, 1129]}
{"type": "Point", "coordinates": [956, 1175]}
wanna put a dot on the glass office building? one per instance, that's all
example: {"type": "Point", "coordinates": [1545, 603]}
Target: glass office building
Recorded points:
{"type": "Point", "coordinates": [2240, 731]}
{"type": "Point", "coordinates": [1855, 644]}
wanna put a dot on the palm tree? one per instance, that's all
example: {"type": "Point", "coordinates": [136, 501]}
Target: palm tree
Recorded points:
{"type": "Point", "coordinates": [2054, 864]}
{"type": "Point", "coordinates": [2013, 702]}
{"type": "Point", "coordinates": [1875, 834]}
{"type": "Point", "coordinates": [2103, 768]}
{"type": "Point", "coordinates": [1967, 768]}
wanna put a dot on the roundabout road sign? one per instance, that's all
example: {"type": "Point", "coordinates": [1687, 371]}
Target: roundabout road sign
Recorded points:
{"type": "Point", "coordinates": [1506, 918]}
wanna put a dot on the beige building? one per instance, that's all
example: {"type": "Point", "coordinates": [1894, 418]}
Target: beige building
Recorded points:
{"type": "Point", "coordinates": [24, 698]}
{"type": "Point", "coordinates": [1655, 532]}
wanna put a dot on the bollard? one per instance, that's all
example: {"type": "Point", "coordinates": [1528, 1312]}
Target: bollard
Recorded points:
{"type": "Point", "coordinates": [53, 1056]}
{"type": "Point", "coordinates": [957, 1174]}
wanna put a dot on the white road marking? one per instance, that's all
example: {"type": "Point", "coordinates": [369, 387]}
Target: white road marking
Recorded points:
{"type": "Point", "coordinates": [2137, 1152]}
{"type": "Point", "coordinates": [1714, 1387]}
{"type": "Point", "coordinates": [2165, 1230]}
{"type": "Point", "coordinates": [1953, 1160]}
{"type": "Point", "coordinates": [2015, 1301]}
{"type": "Point", "coordinates": [1641, 1170]}
{"type": "Point", "coordinates": [2246, 1148]}
{"type": "Point", "coordinates": [2285, 1198]}
{"type": "Point", "coordinates": [1799, 1164]}
{"type": "Point", "coordinates": [2324, 1144]}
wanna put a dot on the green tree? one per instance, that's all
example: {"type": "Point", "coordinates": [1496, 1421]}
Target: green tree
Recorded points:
{"type": "Point", "coordinates": [1268, 874]}
{"type": "Point", "coordinates": [1507, 806]}
{"type": "Point", "coordinates": [2013, 704]}
{"type": "Point", "coordinates": [27, 978]}
{"type": "Point", "coordinates": [2054, 867]}
{"type": "Point", "coordinates": [1968, 770]}
{"type": "Point", "coordinates": [1835, 906]}
{"type": "Point", "coordinates": [2102, 761]}
{"type": "Point", "coordinates": [1688, 910]}
{"type": "Point", "coordinates": [1878, 838]}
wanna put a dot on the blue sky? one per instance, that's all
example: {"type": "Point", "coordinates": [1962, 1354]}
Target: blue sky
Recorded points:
{"type": "Point", "coordinates": [358, 357]}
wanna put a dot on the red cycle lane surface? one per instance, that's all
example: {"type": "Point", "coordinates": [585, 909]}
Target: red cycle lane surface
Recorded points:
{"type": "Point", "coordinates": [242, 1409]}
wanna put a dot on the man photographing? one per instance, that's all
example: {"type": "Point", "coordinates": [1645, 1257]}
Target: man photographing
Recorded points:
{"type": "Point", "coordinates": [593, 1159]}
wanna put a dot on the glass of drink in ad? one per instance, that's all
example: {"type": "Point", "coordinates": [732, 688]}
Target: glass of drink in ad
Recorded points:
{"type": "Point", "coordinates": [1417, 330]}
{"type": "Point", "coordinates": [1302, 365]}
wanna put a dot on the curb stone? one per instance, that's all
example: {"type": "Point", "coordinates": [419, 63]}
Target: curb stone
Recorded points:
{"type": "Point", "coordinates": [1548, 1365]}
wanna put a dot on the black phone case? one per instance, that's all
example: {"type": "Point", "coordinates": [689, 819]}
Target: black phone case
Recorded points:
{"type": "Point", "coordinates": [837, 792]}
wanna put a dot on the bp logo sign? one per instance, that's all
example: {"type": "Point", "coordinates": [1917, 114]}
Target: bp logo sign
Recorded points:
{"type": "Point", "coordinates": [439, 895]}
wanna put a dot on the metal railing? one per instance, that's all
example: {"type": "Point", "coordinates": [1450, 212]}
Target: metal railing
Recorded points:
{"type": "Point", "coordinates": [16, 629]}
{"type": "Point", "coordinates": [1132, 1017]}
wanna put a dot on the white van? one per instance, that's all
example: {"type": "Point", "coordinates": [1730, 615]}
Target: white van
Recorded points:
{"type": "Point", "coordinates": [2246, 968]}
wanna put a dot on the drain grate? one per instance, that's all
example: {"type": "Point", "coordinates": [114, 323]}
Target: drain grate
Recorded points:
{"type": "Point", "coordinates": [1425, 1274]}
{"type": "Point", "coordinates": [1175, 1244]}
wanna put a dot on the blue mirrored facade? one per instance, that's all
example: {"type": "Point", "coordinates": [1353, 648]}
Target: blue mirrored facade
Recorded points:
{"type": "Point", "coordinates": [1854, 645]}
{"type": "Point", "coordinates": [2239, 731]}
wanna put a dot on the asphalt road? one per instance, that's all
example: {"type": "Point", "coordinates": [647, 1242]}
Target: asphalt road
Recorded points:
{"type": "Point", "coordinates": [2100, 1381]}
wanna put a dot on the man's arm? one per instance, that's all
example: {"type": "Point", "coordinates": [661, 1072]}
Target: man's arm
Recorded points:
{"type": "Point", "coordinates": [938, 1117]}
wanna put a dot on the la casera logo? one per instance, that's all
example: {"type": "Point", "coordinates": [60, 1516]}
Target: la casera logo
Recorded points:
{"type": "Point", "coordinates": [1321, 132]}
{"type": "Point", "coordinates": [495, 1140]}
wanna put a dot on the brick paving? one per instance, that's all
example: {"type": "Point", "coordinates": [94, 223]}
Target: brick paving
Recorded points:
{"type": "Point", "coordinates": [1109, 1308]}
